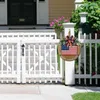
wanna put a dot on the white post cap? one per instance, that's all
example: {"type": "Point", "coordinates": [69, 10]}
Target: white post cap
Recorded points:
{"type": "Point", "coordinates": [83, 13]}
{"type": "Point", "coordinates": [83, 17]}
{"type": "Point", "coordinates": [69, 25]}
{"type": "Point", "coordinates": [79, 1]}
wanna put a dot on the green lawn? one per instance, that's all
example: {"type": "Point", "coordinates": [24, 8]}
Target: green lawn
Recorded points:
{"type": "Point", "coordinates": [86, 96]}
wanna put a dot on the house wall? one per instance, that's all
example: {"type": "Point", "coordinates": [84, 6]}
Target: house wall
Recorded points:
{"type": "Point", "coordinates": [59, 8]}
{"type": "Point", "coordinates": [42, 12]}
{"type": "Point", "coordinates": [45, 14]}
{"type": "Point", "coordinates": [3, 13]}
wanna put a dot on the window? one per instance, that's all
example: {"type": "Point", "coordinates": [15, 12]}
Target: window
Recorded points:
{"type": "Point", "coordinates": [41, 0]}
{"type": "Point", "coordinates": [2, 0]}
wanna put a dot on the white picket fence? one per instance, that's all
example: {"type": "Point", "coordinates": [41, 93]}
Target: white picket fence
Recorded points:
{"type": "Point", "coordinates": [29, 57]}
{"type": "Point", "coordinates": [36, 61]}
{"type": "Point", "coordinates": [88, 67]}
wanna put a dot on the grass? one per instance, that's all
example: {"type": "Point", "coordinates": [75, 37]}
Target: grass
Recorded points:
{"type": "Point", "coordinates": [86, 96]}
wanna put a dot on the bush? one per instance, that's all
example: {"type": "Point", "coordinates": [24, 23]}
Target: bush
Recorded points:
{"type": "Point", "coordinates": [93, 17]}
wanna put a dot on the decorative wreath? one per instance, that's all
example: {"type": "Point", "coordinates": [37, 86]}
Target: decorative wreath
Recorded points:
{"type": "Point", "coordinates": [69, 48]}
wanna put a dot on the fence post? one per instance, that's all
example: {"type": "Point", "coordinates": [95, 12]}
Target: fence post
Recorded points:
{"type": "Point", "coordinates": [83, 17]}
{"type": "Point", "coordinates": [69, 65]}
{"type": "Point", "coordinates": [78, 3]}
{"type": "Point", "coordinates": [82, 20]}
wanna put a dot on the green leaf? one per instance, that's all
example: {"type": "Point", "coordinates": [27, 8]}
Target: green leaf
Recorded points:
{"type": "Point", "coordinates": [93, 17]}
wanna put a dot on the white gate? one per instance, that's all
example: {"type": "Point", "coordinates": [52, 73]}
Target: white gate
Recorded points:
{"type": "Point", "coordinates": [29, 58]}
{"type": "Point", "coordinates": [39, 61]}
{"type": "Point", "coordinates": [9, 61]}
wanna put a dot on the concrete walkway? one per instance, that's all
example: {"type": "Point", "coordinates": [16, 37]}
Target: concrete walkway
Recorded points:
{"type": "Point", "coordinates": [41, 92]}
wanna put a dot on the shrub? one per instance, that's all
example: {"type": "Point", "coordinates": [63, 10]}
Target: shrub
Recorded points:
{"type": "Point", "coordinates": [93, 17]}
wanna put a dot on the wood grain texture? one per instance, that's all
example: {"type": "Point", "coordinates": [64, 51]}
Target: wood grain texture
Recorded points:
{"type": "Point", "coordinates": [59, 8]}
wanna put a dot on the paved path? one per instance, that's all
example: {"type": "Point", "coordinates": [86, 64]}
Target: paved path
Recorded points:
{"type": "Point", "coordinates": [40, 92]}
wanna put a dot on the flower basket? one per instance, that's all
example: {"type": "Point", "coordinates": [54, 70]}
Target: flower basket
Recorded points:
{"type": "Point", "coordinates": [71, 54]}
{"type": "Point", "coordinates": [69, 48]}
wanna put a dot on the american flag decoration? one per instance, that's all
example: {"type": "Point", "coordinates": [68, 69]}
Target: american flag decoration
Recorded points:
{"type": "Point", "coordinates": [69, 47]}
{"type": "Point", "coordinates": [73, 50]}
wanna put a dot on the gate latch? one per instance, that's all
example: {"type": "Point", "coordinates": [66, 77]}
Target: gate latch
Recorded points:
{"type": "Point", "coordinates": [22, 46]}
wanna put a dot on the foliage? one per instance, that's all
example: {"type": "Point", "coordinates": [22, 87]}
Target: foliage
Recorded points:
{"type": "Point", "coordinates": [86, 96]}
{"type": "Point", "coordinates": [93, 17]}
{"type": "Point", "coordinates": [91, 0]}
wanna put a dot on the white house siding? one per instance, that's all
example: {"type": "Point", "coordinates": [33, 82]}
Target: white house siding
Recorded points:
{"type": "Point", "coordinates": [42, 12]}
{"type": "Point", "coordinates": [58, 8]}
{"type": "Point", "coordinates": [3, 13]}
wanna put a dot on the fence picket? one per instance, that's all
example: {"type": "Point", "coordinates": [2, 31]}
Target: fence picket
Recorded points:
{"type": "Point", "coordinates": [18, 62]}
{"type": "Point", "coordinates": [90, 60]}
{"type": "Point", "coordinates": [61, 67]}
{"type": "Point", "coordinates": [1, 59]}
{"type": "Point", "coordinates": [7, 58]}
{"type": "Point", "coordinates": [12, 58]}
{"type": "Point", "coordinates": [39, 59]}
{"type": "Point", "coordinates": [50, 60]}
{"type": "Point", "coordinates": [85, 59]}
{"type": "Point", "coordinates": [34, 59]}
{"type": "Point", "coordinates": [29, 59]}
{"type": "Point", "coordinates": [79, 66]}
{"type": "Point", "coordinates": [56, 66]}
{"type": "Point", "coordinates": [45, 60]}
{"type": "Point", "coordinates": [96, 57]}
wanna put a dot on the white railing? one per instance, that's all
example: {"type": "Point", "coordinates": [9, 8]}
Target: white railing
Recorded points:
{"type": "Point", "coordinates": [28, 34]}
{"type": "Point", "coordinates": [39, 63]}
{"type": "Point", "coordinates": [88, 72]}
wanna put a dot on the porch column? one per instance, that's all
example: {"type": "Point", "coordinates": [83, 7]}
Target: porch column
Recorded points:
{"type": "Point", "coordinates": [78, 3]}
{"type": "Point", "coordinates": [69, 65]}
